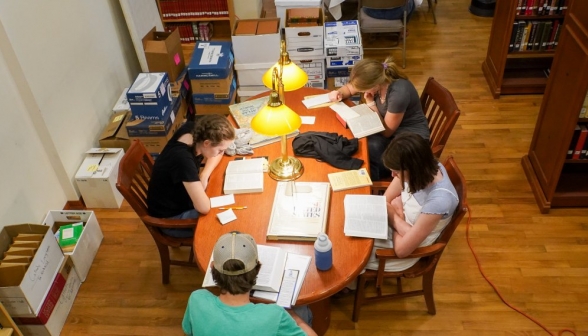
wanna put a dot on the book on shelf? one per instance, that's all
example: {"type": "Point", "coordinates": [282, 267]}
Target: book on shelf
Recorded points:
{"type": "Point", "coordinates": [545, 35]}
{"type": "Point", "coordinates": [583, 113]}
{"type": "Point", "coordinates": [520, 29]}
{"type": "Point", "coordinates": [360, 119]}
{"type": "Point", "coordinates": [349, 179]}
{"type": "Point", "coordinates": [513, 36]}
{"type": "Point", "coordinates": [273, 261]}
{"type": "Point", "coordinates": [244, 112]}
{"type": "Point", "coordinates": [366, 216]}
{"type": "Point", "coordinates": [244, 176]}
{"type": "Point", "coordinates": [299, 211]}
{"type": "Point", "coordinates": [572, 147]}
{"type": "Point", "coordinates": [580, 142]}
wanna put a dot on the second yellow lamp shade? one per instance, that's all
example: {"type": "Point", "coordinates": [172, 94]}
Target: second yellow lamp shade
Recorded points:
{"type": "Point", "coordinates": [293, 77]}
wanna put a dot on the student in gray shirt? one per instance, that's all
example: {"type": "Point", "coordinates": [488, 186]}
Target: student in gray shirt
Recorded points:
{"type": "Point", "coordinates": [389, 92]}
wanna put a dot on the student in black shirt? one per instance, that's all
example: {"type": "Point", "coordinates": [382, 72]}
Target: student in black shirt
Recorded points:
{"type": "Point", "coordinates": [177, 189]}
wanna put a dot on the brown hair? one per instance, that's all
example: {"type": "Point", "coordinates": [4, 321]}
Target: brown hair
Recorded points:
{"type": "Point", "coordinates": [213, 127]}
{"type": "Point", "coordinates": [410, 152]}
{"type": "Point", "coordinates": [235, 284]}
{"type": "Point", "coordinates": [368, 73]}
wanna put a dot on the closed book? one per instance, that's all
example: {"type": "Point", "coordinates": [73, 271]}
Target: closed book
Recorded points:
{"type": "Point", "coordinates": [520, 29]}
{"type": "Point", "coordinates": [244, 176]}
{"type": "Point", "coordinates": [513, 36]}
{"type": "Point", "coordinates": [538, 36]}
{"type": "Point", "coordinates": [532, 35]}
{"type": "Point", "coordinates": [525, 39]}
{"type": "Point", "coordinates": [580, 142]}
{"type": "Point", "coordinates": [545, 36]}
{"type": "Point", "coordinates": [349, 179]}
{"type": "Point", "coordinates": [572, 146]}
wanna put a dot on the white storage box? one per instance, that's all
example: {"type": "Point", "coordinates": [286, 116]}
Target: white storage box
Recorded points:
{"type": "Point", "coordinates": [317, 84]}
{"type": "Point", "coordinates": [314, 67]}
{"type": "Point", "coordinates": [343, 38]}
{"type": "Point", "coordinates": [251, 73]}
{"type": "Point", "coordinates": [256, 48]}
{"type": "Point", "coordinates": [343, 61]}
{"type": "Point", "coordinates": [300, 39]}
{"type": "Point", "coordinates": [97, 176]}
{"type": "Point", "coordinates": [246, 92]}
{"type": "Point", "coordinates": [60, 312]}
{"type": "Point", "coordinates": [122, 104]}
{"type": "Point", "coordinates": [25, 300]}
{"type": "Point", "coordinates": [282, 5]}
{"type": "Point", "coordinates": [89, 241]}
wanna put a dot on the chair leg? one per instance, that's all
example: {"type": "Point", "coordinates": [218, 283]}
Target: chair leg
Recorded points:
{"type": "Point", "coordinates": [165, 262]}
{"type": "Point", "coordinates": [359, 296]}
{"type": "Point", "coordinates": [428, 289]}
{"type": "Point", "coordinates": [432, 9]}
{"type": "Point", "coordinates": [191, 257]}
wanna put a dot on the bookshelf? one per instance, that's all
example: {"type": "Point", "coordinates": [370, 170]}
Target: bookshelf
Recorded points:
{"type": "Point", "coordinates": [524, 71]}
{"type": "Point", "coordinates": [556, 180]}
{"type": "Point", "coordinates": [186, 15]}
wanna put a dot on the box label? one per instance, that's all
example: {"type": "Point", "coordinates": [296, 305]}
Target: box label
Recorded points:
{"type": "Point", "coordinates": [210, 55]}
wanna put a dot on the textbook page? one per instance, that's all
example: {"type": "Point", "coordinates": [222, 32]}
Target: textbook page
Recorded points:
{"type": "Point", "coordinates": [366, 216]}
{"type": "Point", "coordinates": [244, 176]}
{"type": "Point", "coordinates": [367, 123]}
{"type": "Point", "coordinates": [313, 101]}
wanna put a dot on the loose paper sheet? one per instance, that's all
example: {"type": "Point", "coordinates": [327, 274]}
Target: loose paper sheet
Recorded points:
{"type": "Point", "coordinates": [220, 201]}
{"type": "Point", "coordinates": [226, 216]}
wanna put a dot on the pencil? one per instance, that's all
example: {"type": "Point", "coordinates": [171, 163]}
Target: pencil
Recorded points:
{"type": "Point", "coordinates": [234, 208]}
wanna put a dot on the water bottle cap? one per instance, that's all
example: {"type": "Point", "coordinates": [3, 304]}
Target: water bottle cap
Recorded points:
{"type": "Point", "coordinates": [323, 239]}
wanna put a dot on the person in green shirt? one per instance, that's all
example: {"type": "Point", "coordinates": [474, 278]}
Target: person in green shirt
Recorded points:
{"type": "Point", "coordinates": [234, 270]}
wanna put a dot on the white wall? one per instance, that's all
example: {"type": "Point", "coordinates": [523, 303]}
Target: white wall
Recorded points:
{"type": "Point", "coordinates": [63, 64]}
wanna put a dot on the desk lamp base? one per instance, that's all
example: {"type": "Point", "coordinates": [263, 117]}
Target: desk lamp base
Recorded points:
{"type": "Point", "coordinates": [287, 169]}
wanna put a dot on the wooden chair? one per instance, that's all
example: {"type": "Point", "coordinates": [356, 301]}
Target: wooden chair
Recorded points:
{"type": "Point", "coordinates": [134, 173]}
{"type": "Point", "coordinates": [424, 268]}
{"type": "Point", "coordinates": [369, 25]}
{"type": "Point", "coordinates": [442, 114]}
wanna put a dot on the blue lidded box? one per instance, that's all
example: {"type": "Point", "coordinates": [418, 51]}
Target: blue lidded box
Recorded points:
{"type": "Point", "coordinates": [211, 60]}
{"type": "Point", "coordinates": [150, 96]}
{"type": "Point", "coordinates": [215, 98]}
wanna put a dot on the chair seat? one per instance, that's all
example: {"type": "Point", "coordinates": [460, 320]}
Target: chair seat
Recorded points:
{"type": "Point", "coordinates": [369, 23]}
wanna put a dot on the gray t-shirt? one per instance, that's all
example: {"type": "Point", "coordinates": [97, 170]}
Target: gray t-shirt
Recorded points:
{"type": "Point", "coordinates": [402, 96]}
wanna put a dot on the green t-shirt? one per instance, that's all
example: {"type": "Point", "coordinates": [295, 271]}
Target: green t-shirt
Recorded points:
{"type": "Point", "coordinates": [207, 315]}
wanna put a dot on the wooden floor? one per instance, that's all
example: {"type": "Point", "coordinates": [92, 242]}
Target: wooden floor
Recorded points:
{"type": "Point", "coordinates": [538, 262]}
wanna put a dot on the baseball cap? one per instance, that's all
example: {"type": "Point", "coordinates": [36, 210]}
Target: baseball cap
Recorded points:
{"type": "Point", "coordinates": [238, 246]}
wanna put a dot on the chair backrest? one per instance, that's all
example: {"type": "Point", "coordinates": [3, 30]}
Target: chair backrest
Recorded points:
{"type": "Point", "coordinates": [134, 173]}
{"type": "Point", "coordinates": [458, 181]}
{"type": "Point", "coordinates": [441, 112]}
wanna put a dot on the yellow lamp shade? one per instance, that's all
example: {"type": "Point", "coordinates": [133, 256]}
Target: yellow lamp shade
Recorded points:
{"type": "Point", "coordinates": [293, 77]}
{"type": "Point", "coordinates": [274, 121]}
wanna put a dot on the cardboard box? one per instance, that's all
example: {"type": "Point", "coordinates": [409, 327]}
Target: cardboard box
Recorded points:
{"type": "Point", "coordinates": [150, 96]}
{"type": "Point", "coordinates": [181, 85]}
{"type": "Point", "coordinates": [142, 127]}
{"type": "Point", "coordinates": [339, 72]}
{"type": "Point", "coordinates": [96, 178]}
{"type": "Point", "coordinates": [303, 15]}
{"type": "Point", "coordinates": [215, 108]}
{"type": "Point", "coordinates": [89, 242]}
{"type": "Point", "coordinates": [250, 74]}
{"type": "Point", "coordinates": [56, 321]}
{"type": "Point", "coordinates": [343, 38]}
{"type": "Point", "coordinates": [316, 83]}
{"type": "Point", "coordinates": [163, 52]}
{"type": "Point", "coordinates": [52, 297]}
{"type": "Point", "coordinates": [215, 98]}
{"type": "Point", "coordinates": [305, 41]}
{"type": "Point", "coordinates": [155, 144]}
{"type": "Point", "coordinates": [333, 83]}
{"type": "Point", "coordinates": [212, 85]}
{"type": "Point", "coordinates": [283, 5]}
{"type": "Point", "coordinates": [246, 92]}
{"type": "Point", "coordinates": [115, 133]}
{"type": "Point", "coordinates": [343, 61]}
{"type": "Point", "coordinates": [212, 59]}
{"type": "Point", "coordinates": [25, 300]}
{"type": "Point", "coordinates": [122, 104]}
{"type": "Point", "coordinates": [314, 67]}
{"type": "Point", "coordinates": [257, 32]}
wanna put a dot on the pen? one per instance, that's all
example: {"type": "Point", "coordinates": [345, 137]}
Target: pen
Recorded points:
{"type": "Point", "coordinates": [234, 208]}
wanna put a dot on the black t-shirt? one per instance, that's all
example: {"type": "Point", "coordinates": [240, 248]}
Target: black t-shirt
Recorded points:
{"type": "Point", "coordinates": [177, 163]}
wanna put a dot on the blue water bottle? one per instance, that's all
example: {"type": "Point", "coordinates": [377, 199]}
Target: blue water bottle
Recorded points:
{"type": "Point", "coordinates": [323, 252]}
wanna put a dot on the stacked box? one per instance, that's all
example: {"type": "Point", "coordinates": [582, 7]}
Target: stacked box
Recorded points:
{"type": "Point", "coordinates": [283, 5]}
{"type": "Point", "coordinates": [305, 39]}
{"type": "Point", "coordinates": [150, 96]}
{"type": "Point", "coordinates": [343, 49]}
{"type": "Point", "coordinates": [251, 62]}
{"type": "Point", "coordinates": [96, 178]}
{"type": "Point", "coordinates": [211, 75]}
{"type": "Point", "coordinates": [314, 68]}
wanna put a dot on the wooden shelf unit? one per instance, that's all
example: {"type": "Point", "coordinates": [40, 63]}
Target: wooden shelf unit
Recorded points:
{"type": "Point", "coordinates": [555, 180]}
{"type": "Point", "coordinates": [222, 25]}
{"type": "Point", "coordinates": [518, 72]}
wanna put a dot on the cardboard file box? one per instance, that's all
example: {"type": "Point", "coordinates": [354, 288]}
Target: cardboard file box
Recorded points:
{"type": "Point", "coordinates": [343, 38]}
{"type": "Point", "coordinates": [150, 96]}
{"type": "Point", "coordinates": [122, 104]}
{"type": "Point", "coordinates": [163, 52]}
{"type": "Point", "coordinates": [215, 108]}
{"type": "Point", "coordinates": [283, 5]}
{"type": "Point", "coordinates": [57, 319]}
{"type": "Point", "coordinates": [250, 74]}
{"type": "Point", "coordinates": [246, 92]}
{"type": "Point", "coordinates": [142, 127]}
{"type": "Point", "coordinates": [96, 178]}
{"type": "Point", "coordinates": [25, 298]}
{"type": "Point", "coordinates": [211, 60]}
{"type": "Point", "coordinates": [314, 67]}
{"type": "Point", "coordinates": [304, 41]}
{"type": "Point", "coordinates": [343, 61]}
{"type": "Point", "coordinates": [215, 98]}
{"type": "Point", "coordinates": [316, 83]}
{"type": "Point", "coordinates": [89, 241]}
{"type": "Point", "coordinates": [115, 134]}
{"type": "Point", "coordinates": [212, 85]}
{"type": "Point", "coordinates": [256, 41]}
{"type": "Point", "coordinates": [180, 86]}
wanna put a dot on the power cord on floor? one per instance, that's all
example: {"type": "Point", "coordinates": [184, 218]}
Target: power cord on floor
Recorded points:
{"type": "Point", "coordinates": [496, 289]}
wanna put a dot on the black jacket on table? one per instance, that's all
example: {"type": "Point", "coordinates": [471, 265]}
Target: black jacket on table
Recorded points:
{"type": "Point", "coordinates": [332, 148]}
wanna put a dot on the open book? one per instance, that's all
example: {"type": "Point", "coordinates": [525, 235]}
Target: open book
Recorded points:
{"type": "Point", "coordinates": [366, 216]}
{"type": "Point", "coordinates": [350, 179]}
{"type": "Point", "coordinates": [244, 176]}
{"type": "Point", "coordinates": [245, 111]}
{"type": "Point", "coordinates": [360, 119]}
{"type": "Point", "coordinates": [269, 279]}
{"type": "Point", "coordinates": [299, 211]}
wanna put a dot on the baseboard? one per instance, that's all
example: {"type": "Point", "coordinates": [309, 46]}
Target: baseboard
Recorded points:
{"type": "Point", "coordinates": [75, 205]}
